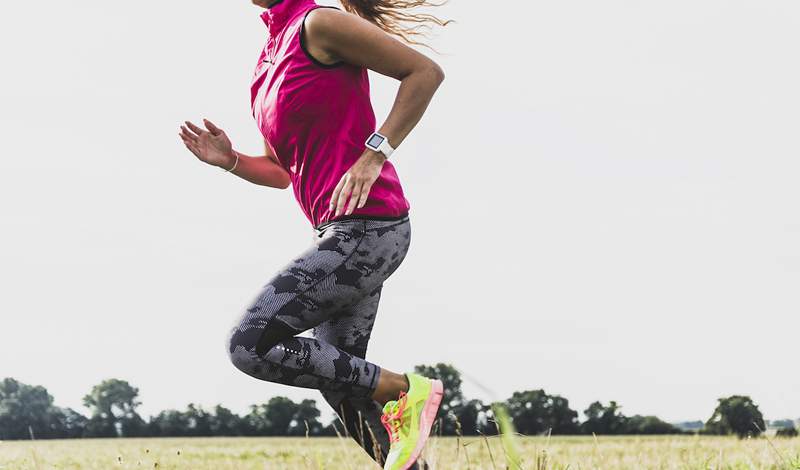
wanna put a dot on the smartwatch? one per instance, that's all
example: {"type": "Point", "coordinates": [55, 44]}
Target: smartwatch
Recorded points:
{"type": "Point", "coordinates": [379, 143]}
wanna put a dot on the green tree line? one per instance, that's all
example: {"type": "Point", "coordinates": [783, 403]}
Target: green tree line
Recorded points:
{"type": "Point", "coordinates": [28, 412]}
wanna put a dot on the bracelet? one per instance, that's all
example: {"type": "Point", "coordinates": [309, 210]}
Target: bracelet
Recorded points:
{"type": "Point", "coordinates": [234, 163]}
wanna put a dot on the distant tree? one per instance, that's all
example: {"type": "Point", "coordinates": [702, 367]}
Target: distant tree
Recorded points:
{"type": "Point", "coordinates": [472, 417]}
{"type": "Point", "coordinates": [224, 422]}
{"type": "Point", "coordinates": [604, 419]}
{"type": "Point", "coordinates": [563, 419]}
{"type": "Point", "coordinates": [198, 421]}
{"type": "Point", "coordinates": [306, 412]}
{"type": "Point", "coordinates": [453, 397]}
{"type": "Point", "coordinates": [736, 415]}
{"type": "Point", "coordinates": [169, 423]}
{"type": "Point", "coordinates": [279, 413]}
{"type": "Point", "coordinates": [787, 432]}
{"type": "Point", "coordinates": [254, 423]}
{"type": "Point", "coordinates": [69, 424]}
{"type": "Point", "coordinates": [27, 409]}
{"type": "Point", "coordinates": [133, 426]}
{"type": "Point", "coordinates": [649, 425]}
{"type": "Point", "coordinates": [100, 427]}
{"type": "Point", "coordinates": [113, 406]}
{"type": "Point", "coordinates": [273, 418]}
{"type": "Point", "coordinates": [536, 412]}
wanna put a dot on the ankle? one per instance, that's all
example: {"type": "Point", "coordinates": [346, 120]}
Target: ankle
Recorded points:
{"type": "Point", "coordinates": [403, 384]}
{"type": "Point", "coordinates": [390, 385]}
{"type": "Point", "coordinates": [397, 384]}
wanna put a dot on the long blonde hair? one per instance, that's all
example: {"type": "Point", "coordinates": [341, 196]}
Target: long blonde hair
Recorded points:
{"type": "Point", "coordinates": [392, 17]}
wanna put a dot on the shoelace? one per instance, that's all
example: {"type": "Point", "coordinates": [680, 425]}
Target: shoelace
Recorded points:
{"type": "Point", "coordinates": [393, 420]}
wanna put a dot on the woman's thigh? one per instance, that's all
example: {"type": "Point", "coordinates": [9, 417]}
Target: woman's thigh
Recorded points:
{"type": "Point", "coordinates": [350, 329]}
{"type": "Point", "coordinates": [349, 261]}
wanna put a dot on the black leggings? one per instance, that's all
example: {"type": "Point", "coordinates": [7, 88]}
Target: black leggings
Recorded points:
{"type": "Point", "coordinates": [333, 288]}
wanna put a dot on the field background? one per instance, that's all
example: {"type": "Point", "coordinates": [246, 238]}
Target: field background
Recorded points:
{"type": "Point", "coordinates": [631, 452]}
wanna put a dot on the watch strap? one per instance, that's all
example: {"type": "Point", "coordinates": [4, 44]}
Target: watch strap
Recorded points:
{"type": "Point", "coordinates": [386, 149]}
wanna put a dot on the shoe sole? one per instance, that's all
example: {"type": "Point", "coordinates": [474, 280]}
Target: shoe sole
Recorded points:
{"type": "Point", "coordinates": [426, 421]}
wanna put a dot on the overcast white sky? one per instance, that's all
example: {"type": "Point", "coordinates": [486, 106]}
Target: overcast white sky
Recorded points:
{"type": "Point", "coordinates": [604, 203]}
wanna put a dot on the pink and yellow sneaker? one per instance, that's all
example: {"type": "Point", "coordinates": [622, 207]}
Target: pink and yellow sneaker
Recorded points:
{"type": "Point", "coordinates": [409, 420]}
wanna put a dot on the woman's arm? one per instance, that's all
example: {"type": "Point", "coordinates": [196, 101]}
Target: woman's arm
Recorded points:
{"type": "Point", "coordinates": [261, 170]}
{"type": "Point", "coordinates": [333, 35]}
{"type": "Point", "coordinates": [264, 170]}
{"type": "Point", "coordinates": [212, 146]}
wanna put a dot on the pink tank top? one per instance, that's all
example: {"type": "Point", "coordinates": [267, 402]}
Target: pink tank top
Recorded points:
{"type": "Point", "coordinates": [315, 117]}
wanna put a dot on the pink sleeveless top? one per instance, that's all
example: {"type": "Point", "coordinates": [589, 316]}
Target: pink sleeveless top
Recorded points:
{"type": "Point", "coordinates": [315, 117]}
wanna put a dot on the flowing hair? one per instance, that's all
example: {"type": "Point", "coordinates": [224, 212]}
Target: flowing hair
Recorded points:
{"type": "Point", "coordinates": [392, 16]}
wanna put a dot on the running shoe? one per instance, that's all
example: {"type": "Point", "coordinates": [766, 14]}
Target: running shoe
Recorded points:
{"type": "Point", "coordinates": [409, 419]}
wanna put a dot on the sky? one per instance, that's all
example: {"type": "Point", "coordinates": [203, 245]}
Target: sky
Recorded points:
{"type": "Point", "coordinates": [604, 203]}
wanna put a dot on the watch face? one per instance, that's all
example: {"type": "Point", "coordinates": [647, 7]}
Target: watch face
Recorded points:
{"type": "Point", "coordinates": [375, 141]}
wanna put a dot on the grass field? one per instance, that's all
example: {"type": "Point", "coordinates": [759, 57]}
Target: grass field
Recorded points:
{"type": "Point", "coordinates": [613, 453]}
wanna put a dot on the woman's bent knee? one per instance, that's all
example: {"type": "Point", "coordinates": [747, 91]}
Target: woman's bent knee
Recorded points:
{"type": "Point", "coordinates": [275, 332]}
{"type": "Point", "coordinates": [248, 347]}
{"type": "Point", "coordinates": [240, 347]}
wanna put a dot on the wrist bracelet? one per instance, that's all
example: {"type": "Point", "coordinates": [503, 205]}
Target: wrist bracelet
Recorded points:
{"type": "Point", "coordinates": [234, 163]}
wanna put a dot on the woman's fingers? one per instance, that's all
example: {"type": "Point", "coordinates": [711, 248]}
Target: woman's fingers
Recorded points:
{"type": "Point", "coordinates": [350, 194]}
{"type": "Point", "coordinates": [355, 198]}
{"type": "Point", "coordinates": [336, 191]}
{"type": "Point", "coordinates": [186, 140]}
{"type": "Point", "coordinates": [364, 195]}
{"type": "Point", "coordinates": [195, 129]}
{"type": "Point", "coordinates": [187, 134]}
{"type": "Point", "coordinates": [343, 196]}
{"type": "Point", "coordinates": [191, 146]}
{"type": "Point", "coordinates": [211, 127]}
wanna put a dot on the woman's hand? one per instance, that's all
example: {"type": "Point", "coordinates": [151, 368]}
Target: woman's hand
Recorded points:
{"type": "Point", "coordinates": [211, 146]}
{"type": "Point", "coordinates": [357, 182]}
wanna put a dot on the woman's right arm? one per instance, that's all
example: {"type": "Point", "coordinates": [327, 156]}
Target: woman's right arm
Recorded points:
{"type": "Point", "coordinates": [261, 170]}
{"type": "Point", "coordinates": [212, 146]}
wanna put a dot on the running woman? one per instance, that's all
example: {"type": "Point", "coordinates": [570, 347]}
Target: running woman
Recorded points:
{"type": "Point", "coordinates": [310, 98]}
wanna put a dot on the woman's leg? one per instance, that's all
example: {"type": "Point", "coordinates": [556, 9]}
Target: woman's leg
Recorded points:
{"type": "Point", "coordinates": [350, 330]}
{"type": "Point", "coordinates": [351, 259]}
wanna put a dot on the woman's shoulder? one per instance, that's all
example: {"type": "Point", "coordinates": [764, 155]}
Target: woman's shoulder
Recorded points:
{"type": "Point", "coordinates": [318, 16]}
{"type": "Point", "coordinates": [316, 27]}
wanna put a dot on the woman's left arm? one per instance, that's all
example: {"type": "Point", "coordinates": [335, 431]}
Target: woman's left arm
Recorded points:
{"type": "Point", "coordinates": [333, 35]}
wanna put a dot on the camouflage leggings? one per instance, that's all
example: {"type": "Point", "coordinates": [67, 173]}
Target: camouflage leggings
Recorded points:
{"type": "Point", "coordinates": [333, 287]}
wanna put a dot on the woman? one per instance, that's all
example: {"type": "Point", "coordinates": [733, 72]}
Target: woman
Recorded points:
{"type": "Point", "coordinates": [310, 98]}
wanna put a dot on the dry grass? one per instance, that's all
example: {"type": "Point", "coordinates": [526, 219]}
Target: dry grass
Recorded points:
{"type": "Point", "coordinates": [466, 453]}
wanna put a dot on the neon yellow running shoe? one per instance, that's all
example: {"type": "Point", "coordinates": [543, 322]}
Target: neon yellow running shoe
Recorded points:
{"type": "Point", "coordinates": [409, 419]}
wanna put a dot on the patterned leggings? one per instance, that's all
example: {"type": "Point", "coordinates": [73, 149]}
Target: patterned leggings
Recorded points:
{"type": "Point", "coordinates": [333, 288]}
